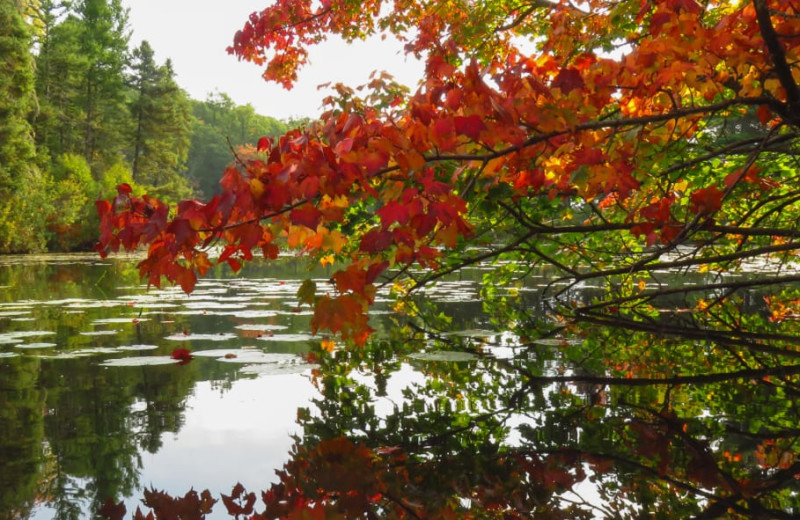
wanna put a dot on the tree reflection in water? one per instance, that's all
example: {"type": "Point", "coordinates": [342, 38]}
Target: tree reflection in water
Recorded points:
{"type": "Point", "coordinates": [607, 422]}
{"type": "Point", "coordinates": [473, 406]}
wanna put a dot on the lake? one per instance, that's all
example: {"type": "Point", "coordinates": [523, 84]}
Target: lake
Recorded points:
{"type": "Point", "coordinates": [590, 422]}
{"type": "Point", "coordinates": [82, 419]}
{"type": "Point", "coordinates": [93, 406]}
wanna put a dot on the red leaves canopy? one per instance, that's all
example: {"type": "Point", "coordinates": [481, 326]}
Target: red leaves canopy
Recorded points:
{"type": "Point", "coordinates": [565, 122]}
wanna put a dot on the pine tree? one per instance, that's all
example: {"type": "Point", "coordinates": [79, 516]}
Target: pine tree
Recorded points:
{"type": "Point", "coordinates": [161, 116]}
{"type": "Point", "coordinates": [80, 83]}
{"type": "Point", "coordinates": [17, 99]}
{"type": "Point", "coordinates": [18, 171]}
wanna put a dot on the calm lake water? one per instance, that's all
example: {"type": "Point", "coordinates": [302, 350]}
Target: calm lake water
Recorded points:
{"type": "Point", "coordinates": [92, 406]}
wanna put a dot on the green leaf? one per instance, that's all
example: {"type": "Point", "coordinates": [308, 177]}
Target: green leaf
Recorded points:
{"type": "Point", "coordinates": [307, 292]}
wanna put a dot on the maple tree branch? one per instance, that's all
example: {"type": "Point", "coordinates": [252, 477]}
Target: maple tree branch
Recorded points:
{"type": "Point", "coordinates": [534, 5]}
{"type": "Point", "coordinates": [738, 338]}
{"type": "Point", "coordinates": [470, 261]}
{"type": "Point", "coordinates": [740, 284]}
{"type": "Point", "coordinates": [646, 266]}
{"type": "Point", "coordinates": [778, 57]}
{"type": "Point", "coordinates": [729, 149]}
{"type": "Point", "coordinates": [605, 124]}
{"type": "Point", "coordinates": [254, 220]}
{"type": "Point", "coordinates": [302, 21]}
{"type": "Point", "coordinates": [535, 381]}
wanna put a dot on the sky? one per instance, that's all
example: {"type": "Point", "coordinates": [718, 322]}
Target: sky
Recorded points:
{"type": "Point", "coordinates": [195, 33]}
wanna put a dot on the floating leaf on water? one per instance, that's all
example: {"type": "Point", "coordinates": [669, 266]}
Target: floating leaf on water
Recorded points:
{"type": "Point", "coordinates": [251, 314]}
{"type": "Point", "coordinates": [274, 369]}
{"type": "Point", "coordinates": [444, 355]}
{"type": "Point", "coordinates": [96, 304]}
{"type": "Point", "coordinates": [222, 336]}
{"type": "Point", "coordinates": [151, 306]}
{"type": "Point", "coordinates": [305, 311]}
{"type": "Point", "coordinates": [7, 314]}
{"type": "Point", "coordinates": [8, 354]}
{"type": "Point", "coordinates": [287, 337]}
{"type": "Point", "coordinates": [65, 302]}
{"type": "Point", "coordinates": [260, 326]}
{"type": "Point", "coordinates": [98, 350]}
{"type": "Point", "coordinates": [139, 361]}
{"type": "Point", "coordinates": [63, 355]}
{"type": "Point", "coordinates": [246, 355]}
{"type": "Point", "coordinates": [259, 357]}
{"type": "Point", "coordinates": [214, 306]}
{"type": "Point", "coordinates": [98, 332]}
{"type": "Point", "coordinates": [24, 334]}
{"type": "Point", "coordinates": [35, 345]}
{"type": "Point", "coordinates": [132, 319]}
{"type": "Point", "coordinates": [138, 347]}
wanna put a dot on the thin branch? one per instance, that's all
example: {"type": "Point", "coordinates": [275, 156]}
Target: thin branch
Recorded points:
{"type": "Point", "coordinates": [778, 55]}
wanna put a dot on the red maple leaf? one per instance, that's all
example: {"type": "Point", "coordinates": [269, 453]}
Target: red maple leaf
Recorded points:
{"type": "Point", "coordinates": [183, 354]}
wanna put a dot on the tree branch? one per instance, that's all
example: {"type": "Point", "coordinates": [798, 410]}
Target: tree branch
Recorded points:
{"type": "Point", "coordinates": [778, 56]}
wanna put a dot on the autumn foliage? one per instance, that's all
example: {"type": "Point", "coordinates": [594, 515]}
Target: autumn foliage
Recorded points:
{"type": "Point", "coordinates": [542, 130]}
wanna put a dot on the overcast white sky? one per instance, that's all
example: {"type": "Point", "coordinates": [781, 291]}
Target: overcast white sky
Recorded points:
{"type": "Point", "coordinates": [195, 33]}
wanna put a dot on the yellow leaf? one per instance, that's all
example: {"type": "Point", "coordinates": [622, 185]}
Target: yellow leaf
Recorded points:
{"type": "Point", "coordinates": [327, 260]}
{"type": "Point", "coordinates": [256, 188]}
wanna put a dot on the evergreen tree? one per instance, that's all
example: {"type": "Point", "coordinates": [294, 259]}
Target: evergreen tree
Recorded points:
{"type": "Point", "coordinates": [60, 67]}
{"type": "Point", "coordinates": [104, 43]}
{"type": "Point", "coordinates": [19, 174]}
{"type": "Point", "coordinates": [80, 83]}
{"type": "Point", "coordinates": [161, 116]}
{"type": "Point", "coordinates": [17, 100]}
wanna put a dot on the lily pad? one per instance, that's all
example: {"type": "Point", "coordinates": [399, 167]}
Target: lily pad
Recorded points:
{"type": "Point", "coordinates": [62, 355]}
{"type": "Point", "coordinates": [98, 332]}
{"type": "Point", "coordinates": [217, 306]}
{"type": "Point", "coordinates": [152, 306]}
{"type": "Point", "coordinates": [252, 314]}
{"type": "Point", "coordinates": [287, 337]}
{"type": "Point", "coordinates": [98, 350]}
{"type": "Point", "coordinates": [260, 357]}
{"type": "Point", "coordinates": [35, 345]}
{"type": "Point", "coordinates": [260, 326]}
{"type": "Point", "coordinates": [275, 369]}
{"type": "Point", "coordinates": [444, 355]}
{"type": "Point", "coordinates": [222, 336]}
{"type": "Point", "coordinates": [24, 334]}
{"type": "Point", "coordinates": [132, 319]}
{"type": "Point", "coordinates": [139, 361]}
{"type": "Point", "coordinates": [246, 355]}
{"type": "Point", "coordinates": [96, 304]}
{"type": "Point", "coordinates": [8, 314]}
{"type": "Point", "coordinates": [138, 347]}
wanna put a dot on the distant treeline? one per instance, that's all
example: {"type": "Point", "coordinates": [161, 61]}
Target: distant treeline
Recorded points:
{"type": "Point", "coordinates": [81, 111]}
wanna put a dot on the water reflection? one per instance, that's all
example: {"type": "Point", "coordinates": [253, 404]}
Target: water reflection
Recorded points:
{"type": "Point", "coordinates": [597, 419]}
{"type": "Point", "coordinates": [77, 429]}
